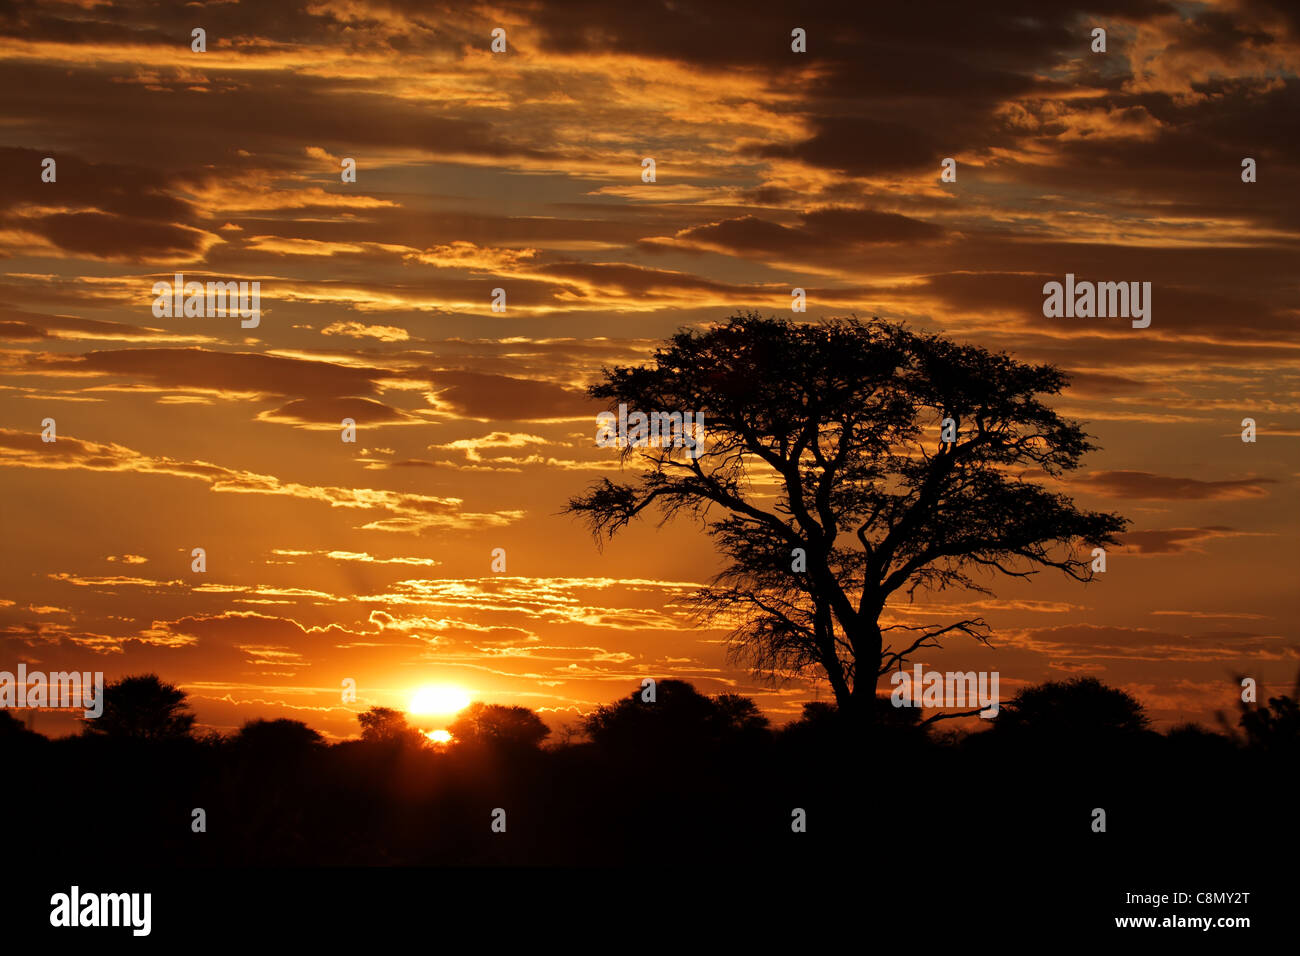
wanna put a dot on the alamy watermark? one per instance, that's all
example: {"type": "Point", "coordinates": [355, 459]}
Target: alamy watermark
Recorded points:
{"type": "Point", "coordinates": [922, 688]}
{"type": "Point", "coordinates": [59, 689]}
{"type": "Point", "coordinates": [1086, 300]}
{"type": "Point", "coordinates": [194, 300]}
{"type": "Point", "coordinates": [103, 909]}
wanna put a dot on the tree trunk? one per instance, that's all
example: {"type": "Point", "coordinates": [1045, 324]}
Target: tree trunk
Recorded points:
{"type": "Point", "coordinates": [868, 648]}
{"type": "Point", "coordinates": [831, 660]}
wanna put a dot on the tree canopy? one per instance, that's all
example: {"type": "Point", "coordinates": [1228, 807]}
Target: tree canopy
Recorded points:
{"type": "Point", "coordinates": [143, 707]}
{"type": "Point", "coordinates": [388, 726]}
{"type": "Point", "coordinates": [678, 716]}
{"type": "Point", "coordinates": [1072, 708]}
{"type": "Point", "coordinates": [499, 725]}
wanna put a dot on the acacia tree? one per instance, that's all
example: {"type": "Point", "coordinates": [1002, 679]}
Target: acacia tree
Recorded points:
{"type": "Point", "coordinates": [1075, 707]}
{"type": "Point", "coordinates": [829, 484]}
{"type": "Point", "coordinates": [500, 725]}
{"type": "Point", "coordinates": [143, 707]}
{"type": "Point", "coordinates": [388, 726]}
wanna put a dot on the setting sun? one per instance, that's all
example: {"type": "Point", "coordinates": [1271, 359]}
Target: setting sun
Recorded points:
{"type": "Point", "coordinates": [439, 699]}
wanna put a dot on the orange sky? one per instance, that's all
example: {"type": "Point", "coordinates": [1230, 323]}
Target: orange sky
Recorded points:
{"type": "Point", "coordinates": [522, 171]}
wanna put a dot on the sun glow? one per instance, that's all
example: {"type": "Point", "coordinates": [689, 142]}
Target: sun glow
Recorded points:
{"type": "Point", "coordinates": [439, 736]}
{"type": "Point", "coordinates": [438, 699]}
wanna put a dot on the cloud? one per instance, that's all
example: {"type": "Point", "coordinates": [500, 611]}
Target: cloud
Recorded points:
{"type": "Point", "coordinates": [496, 440]}
{"type": "Point", "coordinates": [1173, 540]}
{"type": "Point", "coordinates": [1145, 485]}
{"type": "Point", "coordinates": [501, 398]}
{"type": "Point", "coordinates": [837, 144]}
{"type": "Point", "coordinates": [325, 391]}
{"type": "Point", "coordinates": [359, 330]}
{"type": "Point", "coordinates": [1080, 643]}
{"type": "Point", "coordinates": [101, 236]}
{"type": "Point", "coordinates": [73, 328]}
{"type": "Point", "coordinates": [548, 600]}
{"type": "Point", "coordinates": [821, 231]}
{"type": "Point", "coordinates": [407, 513]}
{"type": "Point", "coordinates": [361, 557]}
{"type": "Point", "coordinates": [226, 372]}
{"type": "Point", "coordinates": [98, 211]}
{"type": "Point", "coordinates": [621, 278]}
{"type": "Point", "coordinates": [21, 330]}
{"type": "Point", "coordinates": [328, 413]}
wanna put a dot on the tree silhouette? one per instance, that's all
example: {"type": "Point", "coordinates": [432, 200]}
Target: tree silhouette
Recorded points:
{"type": "Point", "coordinates": [1272, 727]}
{"type": "Point", "coordinates": [1077, 708]}
{"type": "Point", "coordinates": [828, 483]}
{"type": "Point", "coordinates": [1192, 742]}
{"type": "Point", "coordinates": [499, 725]}
{"type": "Point", "coordinates": [739, 714]}
{"type": "Point", "coordinates": [386, 725]}
{"type": "Point", "coordinates": [815, 714]}
{"type": "Point", "coordinates": [279, 738]}
{"type": "Point", "coordinates": [142, 707]}
{"type": "Point", "coordinates": [684, 772]}
{"type": "Point", "coordinates": [13, 728]}
{"type": "Point", "coordinates": [679, 717]}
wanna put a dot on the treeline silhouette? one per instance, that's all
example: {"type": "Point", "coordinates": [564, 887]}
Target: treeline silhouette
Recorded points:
{"type": "Point", "coordinates": [687, 776]}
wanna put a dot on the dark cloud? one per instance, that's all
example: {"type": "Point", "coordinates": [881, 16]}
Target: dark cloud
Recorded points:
{"type": "Point", "coordinates": [609, 222]}
{"type": "Point", "coordinates": [1101, 384]}
{"type": "Point", "coordinates": [1187, 163]}
{"type": "Point", "coordinates": [21, 331]}
{"type": "Point", "coordinates": [223, 371]}
{"type": "Point", "coordinates": [621, 277]}
{"type": "Point", "coordinates": [500, 398]}
{"type": "Point", "coordinates": [1109, 641]}
{"type": "Point", "coordinates": [90, 328]}
{"type": "Point", "coordinates": [112, 188]}
{"type": "Point", "coordinates": [115, 237]}
{"type": "Point", "coordinates": [1184, 299]}
{"type": "Point", "coordinates": [123, 212]}
{"type": "Point", "coordinates": [332, 411]}
{"type": "Point", "coordinates": [327, 392]}
{"type": "Point", "coordinates": [276, 118]}
{"type": "Point", "coordinates": [1142, 484]}
{"type": "Point", "coordinates": [1172, 540]}
{"type": "Point", "coordinates": [710, 33]}
{"type": "Point", "coordinates": [819, 232]}
{"type": "Point", "coordinates": [839, 143]}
